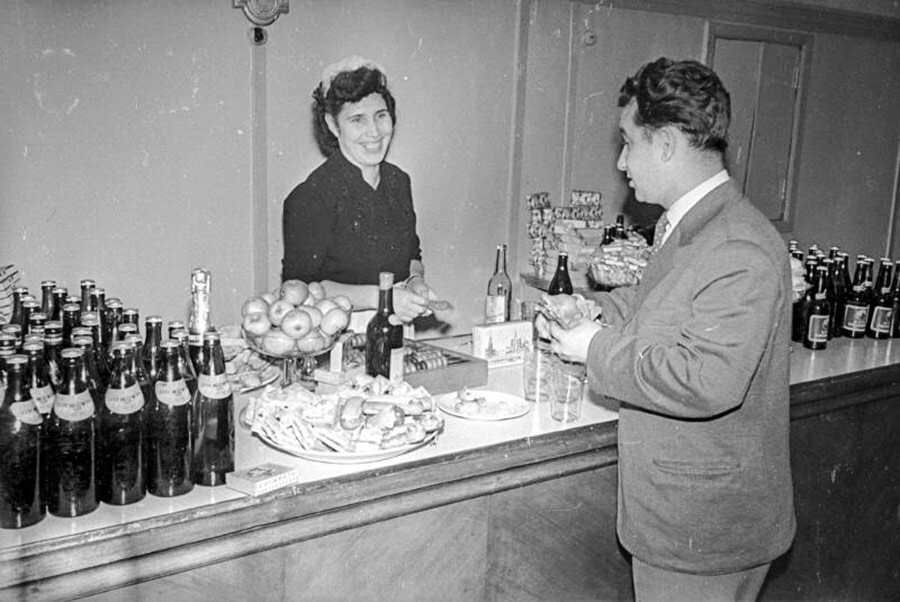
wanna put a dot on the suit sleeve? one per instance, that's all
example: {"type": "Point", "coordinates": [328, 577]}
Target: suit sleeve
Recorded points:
{"type": "Point", "coordinates": [307, 227]}
{"type": "Point", "coordinates": [695, 361]}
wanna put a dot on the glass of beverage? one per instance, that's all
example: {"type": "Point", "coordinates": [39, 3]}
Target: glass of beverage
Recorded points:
{"type": "Point", "coordinates": [537, 372]}
{"type": "Point", "coordinates": [567, 382]}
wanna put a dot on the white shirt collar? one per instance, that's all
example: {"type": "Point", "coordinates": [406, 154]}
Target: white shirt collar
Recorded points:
{"type": "Point", "coordinates": [687, 201]}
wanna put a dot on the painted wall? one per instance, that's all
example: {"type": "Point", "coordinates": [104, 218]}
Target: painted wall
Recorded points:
{"type": "Point", "coordinates": [130, 153]}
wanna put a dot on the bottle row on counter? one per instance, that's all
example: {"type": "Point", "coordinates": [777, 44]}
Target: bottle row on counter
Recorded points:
{"type": "Point", "coordinates": [92, 412]}
{"type": "Point", "coordinates": [834, 305]}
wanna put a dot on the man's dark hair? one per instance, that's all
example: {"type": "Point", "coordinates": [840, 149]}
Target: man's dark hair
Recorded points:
{"type": "Point", "coordinates": [686, 94]}
{"type": "Point", "coordinates": [347, 86]}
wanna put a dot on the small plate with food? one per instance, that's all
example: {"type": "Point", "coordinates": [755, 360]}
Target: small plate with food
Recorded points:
{"type": "Point", "coordinates": [484, 405]}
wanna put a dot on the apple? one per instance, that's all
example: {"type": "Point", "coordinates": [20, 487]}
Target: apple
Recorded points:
{"type": "Point", "coordinates": [334, 321]}
{"type": "Point", "coordinates": [325, 305]}
{"type": "Point", "coordinates": [296, 323]}
{"type": "Point", "coordinates": [254, 305]}
{"type": "Point", "coordinates": [317, 291]}
{"type": "Point", "coordinates": [312, 342]}
{"type": "Point", "coordinates": [343, 302]}
{"type": "Point", "coordinates": [269, 297]}
{"type": "Point", "coordinates": [294, 292]}
{"type": "Point", "coordinates": [277, 343]}
{"type": "Point", "coordinates": [257, 323]}
{"type": "Point", "coordinates": [277, 311]}
{"type": "Point", "coordinates": [314, 314]}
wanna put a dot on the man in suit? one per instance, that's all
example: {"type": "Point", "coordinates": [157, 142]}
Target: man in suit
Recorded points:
{"type": "Point", "coordinates": [697, 355]}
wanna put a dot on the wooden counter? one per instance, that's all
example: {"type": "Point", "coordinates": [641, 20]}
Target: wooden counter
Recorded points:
{"type": "Point", "coordinates": [517, 510]}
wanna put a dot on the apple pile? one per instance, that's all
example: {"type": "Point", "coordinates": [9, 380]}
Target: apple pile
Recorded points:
{"type": "Point", "coordinates": [296, 319]}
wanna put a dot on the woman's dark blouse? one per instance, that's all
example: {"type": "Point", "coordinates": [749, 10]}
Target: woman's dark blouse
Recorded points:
{"type": "Point", "coordinates": [336, 227]}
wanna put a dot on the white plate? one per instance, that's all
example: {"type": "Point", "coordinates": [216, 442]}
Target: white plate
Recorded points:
{"type": "Point", "coordinates": [497, 406]}
{"type": "Point", "coordinates": [333, 457]}
{"type": "Point", "coordinates": [266, 375]}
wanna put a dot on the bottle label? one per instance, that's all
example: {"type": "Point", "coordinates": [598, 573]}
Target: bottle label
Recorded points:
{"type": "Point", "coordinates": [26, 411]}
{"type": "Point", "coordinates": [172, 393]}
{"type": "Point", "coordinates": [125, 401]}
{"type": "Point", "coordinates": [43, 398]}
{"type": "Point", "coordinates": [817, 330]}
{"type": "Point", "coordinates": [495, 309]}
{"type": "Point", "coordinates": [855, 317]}
{"type": "Point", "coordinates": [214, 386]}
{"type": "Point", "coordinates": [881, 319]}
{"type": "Point", "coordinates": [74, 408]}
{"type": "Point", "coordinates": [396, 370]}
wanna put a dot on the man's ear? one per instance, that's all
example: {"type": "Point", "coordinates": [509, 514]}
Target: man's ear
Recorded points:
{"type": "Point", "coordinates": [667, 140]}
{"type": "Point", "coordinates": [332, 124]}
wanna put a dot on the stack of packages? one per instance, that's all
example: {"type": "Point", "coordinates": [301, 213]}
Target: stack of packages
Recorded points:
{"type": "Point", "coordinates": [576, 229]}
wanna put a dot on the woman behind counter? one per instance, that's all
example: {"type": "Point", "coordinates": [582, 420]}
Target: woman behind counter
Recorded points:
{"type": "Point", "coordinates": [353, 217]}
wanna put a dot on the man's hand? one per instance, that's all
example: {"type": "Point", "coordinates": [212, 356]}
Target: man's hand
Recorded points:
{"type": "Point", "coordinates": [572, 343]}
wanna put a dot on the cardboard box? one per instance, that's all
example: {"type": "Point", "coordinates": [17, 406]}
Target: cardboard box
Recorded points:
{"type": "Point", "coordinates": [502, 344]}
{"type": "Point", "coordinates": [261, 479]}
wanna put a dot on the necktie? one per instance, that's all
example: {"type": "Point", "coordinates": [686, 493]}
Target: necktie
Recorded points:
{"type": "Point", "coordinates": [662, 224]}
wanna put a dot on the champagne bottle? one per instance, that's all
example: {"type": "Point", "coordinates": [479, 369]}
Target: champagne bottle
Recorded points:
{"type": "Point", "coordinates": [818, 313]}
{"type": "Point", "coordinates": [561, 283]}
{"type": "Point", "coordinates": [881, 306]}
{"type": "Point", "coordinates": [72, 429]}
{"type": "Point", "coordinates": [499, 291]}
{"type": "Point", "coordinates": [213, 409]}
{"type": "Point", "coordinates": [384, 341]}
{"type": "Point", "coordinates": [169, 421]}
{"type": "Point", "coordinates": [122, 477]}
{"type": "Point", "coordinates": [199, 321]}
{"type": "Point", "coordinates": [21, 434]}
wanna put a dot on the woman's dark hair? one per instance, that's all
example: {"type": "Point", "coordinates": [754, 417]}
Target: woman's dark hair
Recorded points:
{"type": "Point", "coordinates": [686, 94]}
{"type": "Point", "coordinates": [347, 86]}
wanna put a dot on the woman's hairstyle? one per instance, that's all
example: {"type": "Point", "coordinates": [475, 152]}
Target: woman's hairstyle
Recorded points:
{"type": "Point", "coordinates": [686, 94]}
{"type": "Point", "coordinates": [343, 87]}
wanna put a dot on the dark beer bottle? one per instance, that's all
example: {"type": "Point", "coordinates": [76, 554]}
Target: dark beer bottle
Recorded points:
{"type": "Point", "coordinates": [561, 283]}
{"type": "Point", "coordinates": [21, 434]}
{"type": "Point", "coordinates": [113, 320]}
{"type": "Point", "coordinates": [131, 315]}
{"type": "Point", "coordinates": [856, 304]}
{"type": "Point", "coordinates": [895, 301]}
{"type": "Point", "coordinates": [881, 305]}
{"type": "Point", "coordinates": [53, 359]}
{"type": "Point", "coordinates": [137, 364]}
{"type": "Point", "coordinates": [213, 409]}
{"type": "Point", "coordinates": [99, 348]}
{"type": "Point", "coordinates": [59, 299]}
{"type": "Point", "coordinates": [818, 313]}
{"type": "Point", "coordinates": [121, 470]}
{"type": "Point", "coordinates": [384, 339]}
{"type": "Point", "coordinates": [71, 316]}
{"type": "Point", "coordinates": [185, 366]}
{"type": "Point", "coordinates": [72, 431]}
{"type": "Point", "coordinates": [87, 285]}
{"type": "Point", "coordinates": [169, 421]}
{"type": "Point", "coordinates": [619, 229]}
{"type": "Point", "coordinates": [18, 293]}
{"type": "Point", "coordinates": [38, 378]}
{"type": "Point", "coordinates": [96, 386]}
{"type": "Point", "coordinates": [152, 354]}
{"type": "Point", "coordinates": [29, 306]}
{"type": "Point", "coordinates": [841, 284]}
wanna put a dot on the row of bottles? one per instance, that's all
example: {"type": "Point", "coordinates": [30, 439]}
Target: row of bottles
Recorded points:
{"type": "Point", "coordinates": [108, 419]}
{"type": "Point", "coordinates": [834, 305]}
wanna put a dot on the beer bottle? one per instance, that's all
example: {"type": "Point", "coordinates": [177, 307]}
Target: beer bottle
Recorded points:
{"type": "Point", "coordinates": [113, 319]}
{"type": "Point", "coordinates": [384, 339]}
{"type": "Point", "coordinates": [199, 321]}
{"type": "Point", "coordinates": [830, 292]}
{"type": "Point", "coordinates": [86, 286]}
{"type": "Point", "coordinates": [72, 431]}
{"type": "Point", "coordinates": [137, 364]}
{"type": "Point", "coordinates": [619, 230]}
{"type": "Point", "coordinates": [71, 316]}
{"type": "Point", "coordinates": [856, 304]}
{"type": "Point", "coordinates": [213, 410]}
{"type": "Point", "coordinates": [53, 358]}
{"type": "Point", "coordinates": [36, 322]}
{"type": "Point", "coordinates": [127, 329]}
{"type": "Point", "coordinates": [152, 357]}
{"type": "Point", "coordinates": [561, 283]}
{"type": "Point", "coordinates": [121, 471]}
{"type": "Point", "coordinates": [17, 294]}
{"type": "Point", "coordinates": [881, 305]}
{"type": "Point", "coordinates": [15, 331]}
{"type": "Point", "coordinates": [800, 315]}
{"type": "Point", "coordinates": [185, 366]}
{"type": "Point", "coordinates": [818, 313]}
{"type": "Point", "coordinates": [37, 378]}
{"type": "Point", "coordinates": [48, 301]}
{"type": "Point", "coordinates": [895, 301]}
{"type": "Point", "coordinates": [95, 384]}
{"type": "Point", "coordinates": [99, 348]}
{"type": "Point", "coordinates": [499, 291]}
{"type": "Point", "coordinates": [21, 434]}
{"type": "Point", "coordinates": [169, 422]}
{"type": "Point", "coordinates": [59, 299]}
{"type": "Point", "coordinates": [840, 284]}
{"type": "Point", "coordinates": [29, 306]}
{"type": "Point", "coordinates": [131, 315]}
{"type": "Point", "coordinates": [176, 325]}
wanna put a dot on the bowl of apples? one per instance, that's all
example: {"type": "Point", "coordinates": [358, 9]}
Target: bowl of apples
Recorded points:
{"type": "Point", "coordinates": [296, 320]}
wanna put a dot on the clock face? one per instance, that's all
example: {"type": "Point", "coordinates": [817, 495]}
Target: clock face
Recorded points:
{"type": "Point", "coordinates": [262, 12]}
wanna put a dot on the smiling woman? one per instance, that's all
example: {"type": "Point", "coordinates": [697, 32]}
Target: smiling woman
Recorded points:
{"type": "Point", "coordinates": [353, 217]}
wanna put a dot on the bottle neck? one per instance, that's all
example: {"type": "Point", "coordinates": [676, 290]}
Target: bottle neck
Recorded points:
{"type": "Point", "coordinates": [500, 262]}
{"type": "Point", "coordinates": [386, 301]}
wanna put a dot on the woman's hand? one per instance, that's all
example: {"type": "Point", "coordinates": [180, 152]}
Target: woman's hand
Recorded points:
{"type": "Point", "coordinates": [408, 304]}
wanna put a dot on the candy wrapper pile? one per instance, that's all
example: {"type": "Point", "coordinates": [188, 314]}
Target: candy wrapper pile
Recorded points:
{"type": "Point", "coordinates": [576, 229]}
{"type": "Point", "coordinates": [621, 262]}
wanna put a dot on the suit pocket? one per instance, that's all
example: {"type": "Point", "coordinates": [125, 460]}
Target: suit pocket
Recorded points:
{"type": "Point", "coordinates": [710, 468]}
